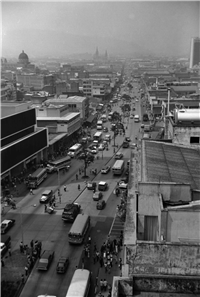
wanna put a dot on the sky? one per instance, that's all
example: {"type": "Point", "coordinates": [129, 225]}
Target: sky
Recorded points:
{"type": "Point", "coordinates": [57, 28]}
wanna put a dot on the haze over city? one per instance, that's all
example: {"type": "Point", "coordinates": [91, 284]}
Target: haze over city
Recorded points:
{"type": "Point", "coordinates": [65, 28]}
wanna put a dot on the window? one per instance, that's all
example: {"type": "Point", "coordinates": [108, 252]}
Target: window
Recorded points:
{"type": "Point", "coordinates": [194, 140]}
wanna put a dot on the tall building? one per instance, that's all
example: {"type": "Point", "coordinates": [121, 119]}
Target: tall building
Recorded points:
{"type": "Point", "coordinates": [195, 52]}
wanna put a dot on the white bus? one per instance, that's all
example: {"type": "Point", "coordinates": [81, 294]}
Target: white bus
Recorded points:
{"type": "Point", "coordinates": [79, 229]}
{"type": "Point", "coordinates": [75, 150]}
{"type": "Point", "coordinates": [118, 167]}
{"type": "Point", "coordinates": [80, 284]}
{"type": "Point", "coordinates": [63, 163]}
{"type": "Point", "coordinates": [98, 136]}
{"type": "Point", "coordinates": [37, 178]}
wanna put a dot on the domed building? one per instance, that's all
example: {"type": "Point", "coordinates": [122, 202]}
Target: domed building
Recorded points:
{"type": "Point", "coordinates": [23, 59]}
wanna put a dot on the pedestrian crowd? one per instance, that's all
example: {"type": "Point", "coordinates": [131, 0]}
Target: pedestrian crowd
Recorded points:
{"type": "Point", "coordinates": [107, 257]}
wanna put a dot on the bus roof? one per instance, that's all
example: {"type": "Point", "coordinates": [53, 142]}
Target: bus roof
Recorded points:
{"type": "Point", "coordinates": [78, 283]}
{"type": "Point", "coordinates": [38, 171]}
{"type": "Point", "coordinates": [56, 162]}
{"type": "Point", "coordinates": [118, 164]}
{"type": "Point", "coordinates": [79, 224]}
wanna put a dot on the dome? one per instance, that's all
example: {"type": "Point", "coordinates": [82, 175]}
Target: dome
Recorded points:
{"type": "Point", "coordinates": [23, 58]}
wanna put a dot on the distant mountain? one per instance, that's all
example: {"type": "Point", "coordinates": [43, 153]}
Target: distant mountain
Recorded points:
{"type": "Point", "coordinates": [59, 43]}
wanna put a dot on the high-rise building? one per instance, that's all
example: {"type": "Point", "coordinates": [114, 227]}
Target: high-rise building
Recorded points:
{"type": "Point", "coordinates": [195, 52]}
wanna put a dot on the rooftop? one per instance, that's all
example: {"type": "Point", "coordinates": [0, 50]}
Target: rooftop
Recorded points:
{"type": "Point", "coordinates": [166, 162]}
{"type": "Point", "coordinates": [64, 118]}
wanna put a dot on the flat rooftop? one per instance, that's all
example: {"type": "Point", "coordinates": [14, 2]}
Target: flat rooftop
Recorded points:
{"type": "Point", "coordinates": [64, 118]}
{"type": "Point", "coordinates": [166, 162]}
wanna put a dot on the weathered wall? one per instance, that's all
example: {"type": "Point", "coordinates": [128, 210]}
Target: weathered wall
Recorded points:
{"type": "Point", "coordinates": [183, 224]}
{"type": "Point", "coordinates": [157, 284]}
{"type": "Point", "coordinates": [163, 258]}
{"type": "Point", "coordinates": [183, 134]}
{"type": "Point", "coordinates": [172, 192]}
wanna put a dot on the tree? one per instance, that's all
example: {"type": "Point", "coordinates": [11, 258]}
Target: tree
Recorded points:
{"type": "Point", "coordinates": [87, 159]}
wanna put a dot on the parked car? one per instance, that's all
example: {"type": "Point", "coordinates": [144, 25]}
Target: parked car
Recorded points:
{"type": "Point", "coordinates": [97, 196]}
{"type": "Point", "coordinates": [119, 155]}
{"type": "Point", "coordinates": [45, 260]}
{"type": "Point", "coordinates": [133, 145]}
{"type": "Point", "coordinates": [101, 204]}
{"type": "Point", "coordinates": [62, 265]}
{"type": "Point", "coordinates": [123, 185]}
{"type": "Point", "coordinates": [91, 185]}
{"type": "Point", "coordinates": [105, 169]}
{"type": "Point", "coordinates": [5, 244]}
{"type": "Point", "coordinates": [94, 150]}
{"type": "Point", "coordinates": [102, 186]}
{"type": "Point", "coordinates": [6, 225]}
{"type": "Point", "coordinates": [47, 196]}
{"type": "Point", "coordinates": [101, 147]}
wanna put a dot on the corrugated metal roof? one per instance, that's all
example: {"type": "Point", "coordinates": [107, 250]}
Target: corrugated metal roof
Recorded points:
{"type": "Point", "coordinates": [172, 163]}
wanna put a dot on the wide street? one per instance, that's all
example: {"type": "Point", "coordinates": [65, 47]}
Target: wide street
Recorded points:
{"type": "Point", "coordinates": [33, 223]}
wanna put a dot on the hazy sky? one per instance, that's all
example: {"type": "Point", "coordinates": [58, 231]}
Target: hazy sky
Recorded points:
{"type": "Point", "coordinates": [157, 26]}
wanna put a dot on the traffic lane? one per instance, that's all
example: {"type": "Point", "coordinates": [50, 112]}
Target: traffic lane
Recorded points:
{"type": "Point", "coordinates": [54, 235]}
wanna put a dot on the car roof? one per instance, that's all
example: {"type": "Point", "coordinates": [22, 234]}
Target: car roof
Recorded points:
{"type": "Point", "coordinates": [5, 221]}
{"type": "Point", "coordinates": [102, 183]}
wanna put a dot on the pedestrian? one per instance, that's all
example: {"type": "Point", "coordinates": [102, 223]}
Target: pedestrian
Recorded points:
{"type": "Point", "coordinates": [97, 256]}
{"type": "Point", "coordinates": [120, 263]}
{"type": "Point", "coordinates": [45, 208]}
{"type": "Point", "coordinates": [105, 283]}
{"type": "Point", "coordinates": [96, 281]}
{"type": "Point", "coordinates": [101, 285]}
{"type": "Point", "coordinates": [26, 270]}
{"type": "Point", "coordinates": [9, 252]}
{"type": "Point", "coordinates": [21, 246]}
{"type": "Point", "coordinates": [79, 187]}
{"type": "Point", "coordinates": [31, 191]}
{"type": "Point", "coordinates": [2, 263]}
{"type": "Point", "coordinates": [95, 247]}
{"type": "Point", "coordinates": [76, 176]}
{"type": "Point", "coordinates": [22, 279]}
{"type": "Point", "coordinates": [65, 188]}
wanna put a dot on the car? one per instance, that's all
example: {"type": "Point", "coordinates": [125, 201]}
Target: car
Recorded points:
{"type": "Point", "coordinates": [94, 150]}
{"type": "Point", "coordinates": [5, 244]}
{"type": "Point", "coordinates": [47, 196]}
{"type": "Point", "coordinates": [142, 125]}
{"type": "Point", "coordinates": [105, 129]}
{"type": "Point", "coordinates": [45, 260]}
{"type": "Point", "coordinates": [50, 169]}
{"type": "Point", "coordinates": [123, 185]}
{"type": "Point", "coordinates": [131, 116]}
{"type": "Point", "coordinates": [133, 145]}
{"type": "Point", "coordinates": [136, 100]}
{"type": "Point", "coordinates": [127, 139]}
{"type": "Point", "coordinates": [125, 179]}
{"type": "Point", "coordinates": [62, 265]}
{"type": "Point", "coordinates": [105, 169]}
{"type": "Point", "coordinates": [91, 185]}
{"type": "Point", "coordinates": [97, 196]}
{"type": "Point", "coordinates": [102, 186]}
{"type": "Point", "coordinates": [119, 155]}
{"type": "Point", "coordinates": [101, 204]}
{"type": "Point", "coordinates": [6, 225]}
{"type": "Point", "coordinates": [70, 212]}
{"type": "Point", "coordinates": [101, 147]}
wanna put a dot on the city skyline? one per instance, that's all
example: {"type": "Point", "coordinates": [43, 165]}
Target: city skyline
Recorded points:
{"type": "Point", "coordinates": [65, 28]}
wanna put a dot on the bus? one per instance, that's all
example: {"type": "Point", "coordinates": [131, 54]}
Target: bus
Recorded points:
{"type": "Point", "coordinates": [37, 178]}
{"type": "Point", "coordinates": [110, 116]}
{"type": "Point", "coordinates": [79, 229]}
{"type": "Point", "coordinates": [75, 150]}
{"type": "Point", "coordinates": [98, 136]}
{"type": "Point", "coordinates": [118, 167]}
{"type": "Point", "coordinates": [63, 163]}
{"type": "Point", "coordinates": [80, 284]}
